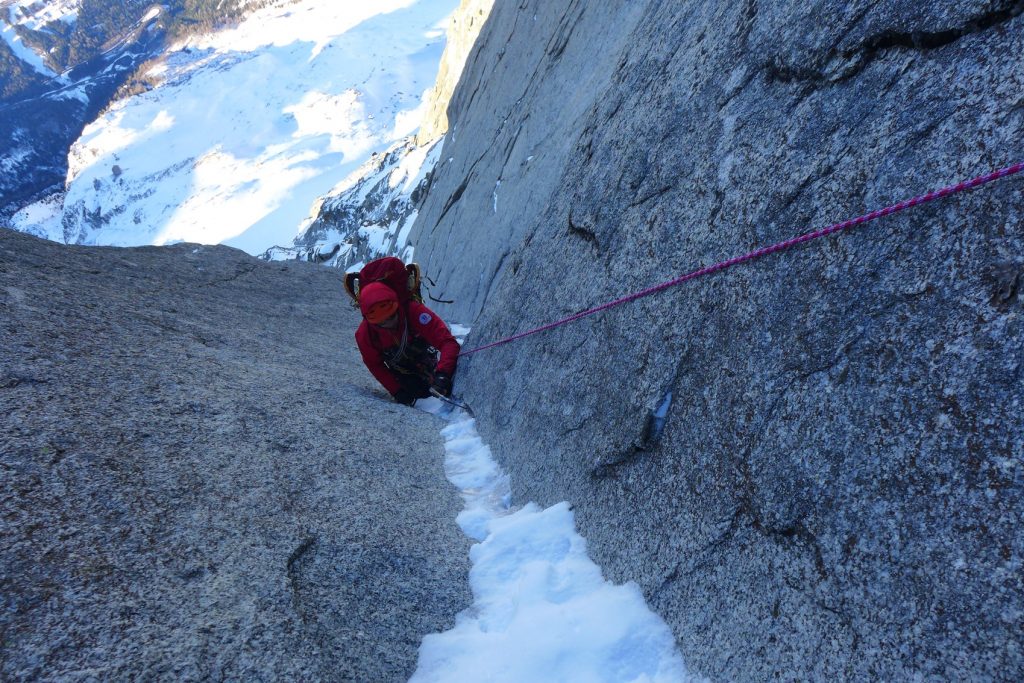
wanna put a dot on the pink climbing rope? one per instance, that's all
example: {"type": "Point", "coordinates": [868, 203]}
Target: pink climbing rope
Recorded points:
{"type": "Point", "coordinates": [764, 251]}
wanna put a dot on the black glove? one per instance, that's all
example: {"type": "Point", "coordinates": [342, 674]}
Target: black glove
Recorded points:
{"type": "Point", "coordinates": [442, 383]}
{"type": "Point", "coordinates": [405, 397]}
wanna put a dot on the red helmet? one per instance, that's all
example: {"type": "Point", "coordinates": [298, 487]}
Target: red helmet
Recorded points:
{"type": "Point", "coordinates": [378, 302]}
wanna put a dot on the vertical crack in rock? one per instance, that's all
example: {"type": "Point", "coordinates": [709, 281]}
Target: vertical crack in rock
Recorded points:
{"type": "Point", "coordinates": [832, 394]}
{"type": "Point", "coordinates": [511, 144]}
{"type": "Point", "coordinates": [293, 579]}
{"type": "Point", "coordinates": [454, 198]}
{"type": "Point", "coordinates": [561, 37]}
{"type": "Point", "coordinates": [461, 189]}
{"type": "Point", "coordinates": [494, 275]}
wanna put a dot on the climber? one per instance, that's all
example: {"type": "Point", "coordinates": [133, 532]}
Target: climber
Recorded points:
{"type": "Point", "coordinates": [400, 345]}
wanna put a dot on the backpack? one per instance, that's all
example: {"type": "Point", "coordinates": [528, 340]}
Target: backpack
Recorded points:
{"type": "Point", "coordinates": [404, 279]}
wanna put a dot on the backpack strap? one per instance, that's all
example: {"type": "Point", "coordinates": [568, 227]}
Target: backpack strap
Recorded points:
{"type": "Point", "coordinates": [352, 287]}
{"type": "Point", "coordinates": [412, 271]}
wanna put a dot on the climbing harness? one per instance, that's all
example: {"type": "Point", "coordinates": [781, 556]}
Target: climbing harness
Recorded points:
{"type": "Point", "coordinates": [764, 251]}
{"type": "Point", "coordinates": [412, 356]}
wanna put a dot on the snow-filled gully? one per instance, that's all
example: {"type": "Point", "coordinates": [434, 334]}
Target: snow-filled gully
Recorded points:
{"type": "Point", "coordinates": [541, 609]}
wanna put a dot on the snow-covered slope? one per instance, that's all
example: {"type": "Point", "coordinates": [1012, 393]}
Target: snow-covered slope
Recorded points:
{"type": "Point", "coordinates": [250, 126]}
{"type": "Point", "coordinates": [371, 213]}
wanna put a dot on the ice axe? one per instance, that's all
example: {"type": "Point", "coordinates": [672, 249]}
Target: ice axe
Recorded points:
{"type": "Point", "coordinates": [437, 394]}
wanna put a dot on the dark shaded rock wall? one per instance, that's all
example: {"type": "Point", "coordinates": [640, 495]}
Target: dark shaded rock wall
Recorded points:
{"type": "Point", "coordinates": [837, 492]}
{"type": "Point", "coordinates": [200, 481]}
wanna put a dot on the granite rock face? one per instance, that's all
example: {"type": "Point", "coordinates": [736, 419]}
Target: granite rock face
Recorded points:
{"type": "Point", "coordinates": [836, 490]}
{"type": "Point", "coordinates": [196, 483]}
{"type": "Point", "coordinates": [463, 29]}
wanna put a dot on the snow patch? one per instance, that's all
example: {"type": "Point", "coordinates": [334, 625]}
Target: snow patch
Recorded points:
{"type": "Point", "coordinates": [542, 611]}
{"type": "Point", "coordinates": [340, 118]}
{"type": "Point", "coordinates": [70, 93]}
{"type": "Point", "coordinates": [14, 159]}
{"type": "Point", "coordinates": [42, 219]}
{"type": "Point", "coordinates": [403, 235]}
{"type": "Point", "coordinates": [34, 15]}
{"type": "Point", "coordinates": [376, 236]}
{"type": "Point", "coordinates": [413, 168]}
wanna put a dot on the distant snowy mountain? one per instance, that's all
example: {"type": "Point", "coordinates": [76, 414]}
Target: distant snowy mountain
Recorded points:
{"type": "Point", "coordinates": [249, 127]}
{"type": "Point", "coordinates": [43, 111]}
{"type": "Point", "coordinates": [370, 214]}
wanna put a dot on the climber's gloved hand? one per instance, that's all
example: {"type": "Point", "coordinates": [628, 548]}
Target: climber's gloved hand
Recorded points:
{"type": "Point", "coordinates": [442, 383]}
{"type": "Point", "coordinates": [405, 397]}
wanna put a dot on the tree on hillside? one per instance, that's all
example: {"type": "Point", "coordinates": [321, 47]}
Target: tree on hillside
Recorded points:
{"type": "Point", "coordinates": [17, 79]}
{"type": "Point", "coordinates": [100, 22]}
{"type": "Point", "coordinates": [202, 16]}
{"type": "Point", "coordinates": [51, 43]}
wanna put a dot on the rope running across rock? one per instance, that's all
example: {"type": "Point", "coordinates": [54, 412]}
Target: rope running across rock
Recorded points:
{"type": "Point", "coordinates": [764, 251]}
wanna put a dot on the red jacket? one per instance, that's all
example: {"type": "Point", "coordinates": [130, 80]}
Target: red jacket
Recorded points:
{"type": "Point", "coordinates": [423, 323]}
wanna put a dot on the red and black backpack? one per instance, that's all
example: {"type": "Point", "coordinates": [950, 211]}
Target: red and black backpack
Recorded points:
{"type": "Point", "coordinates": [404, 279]}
